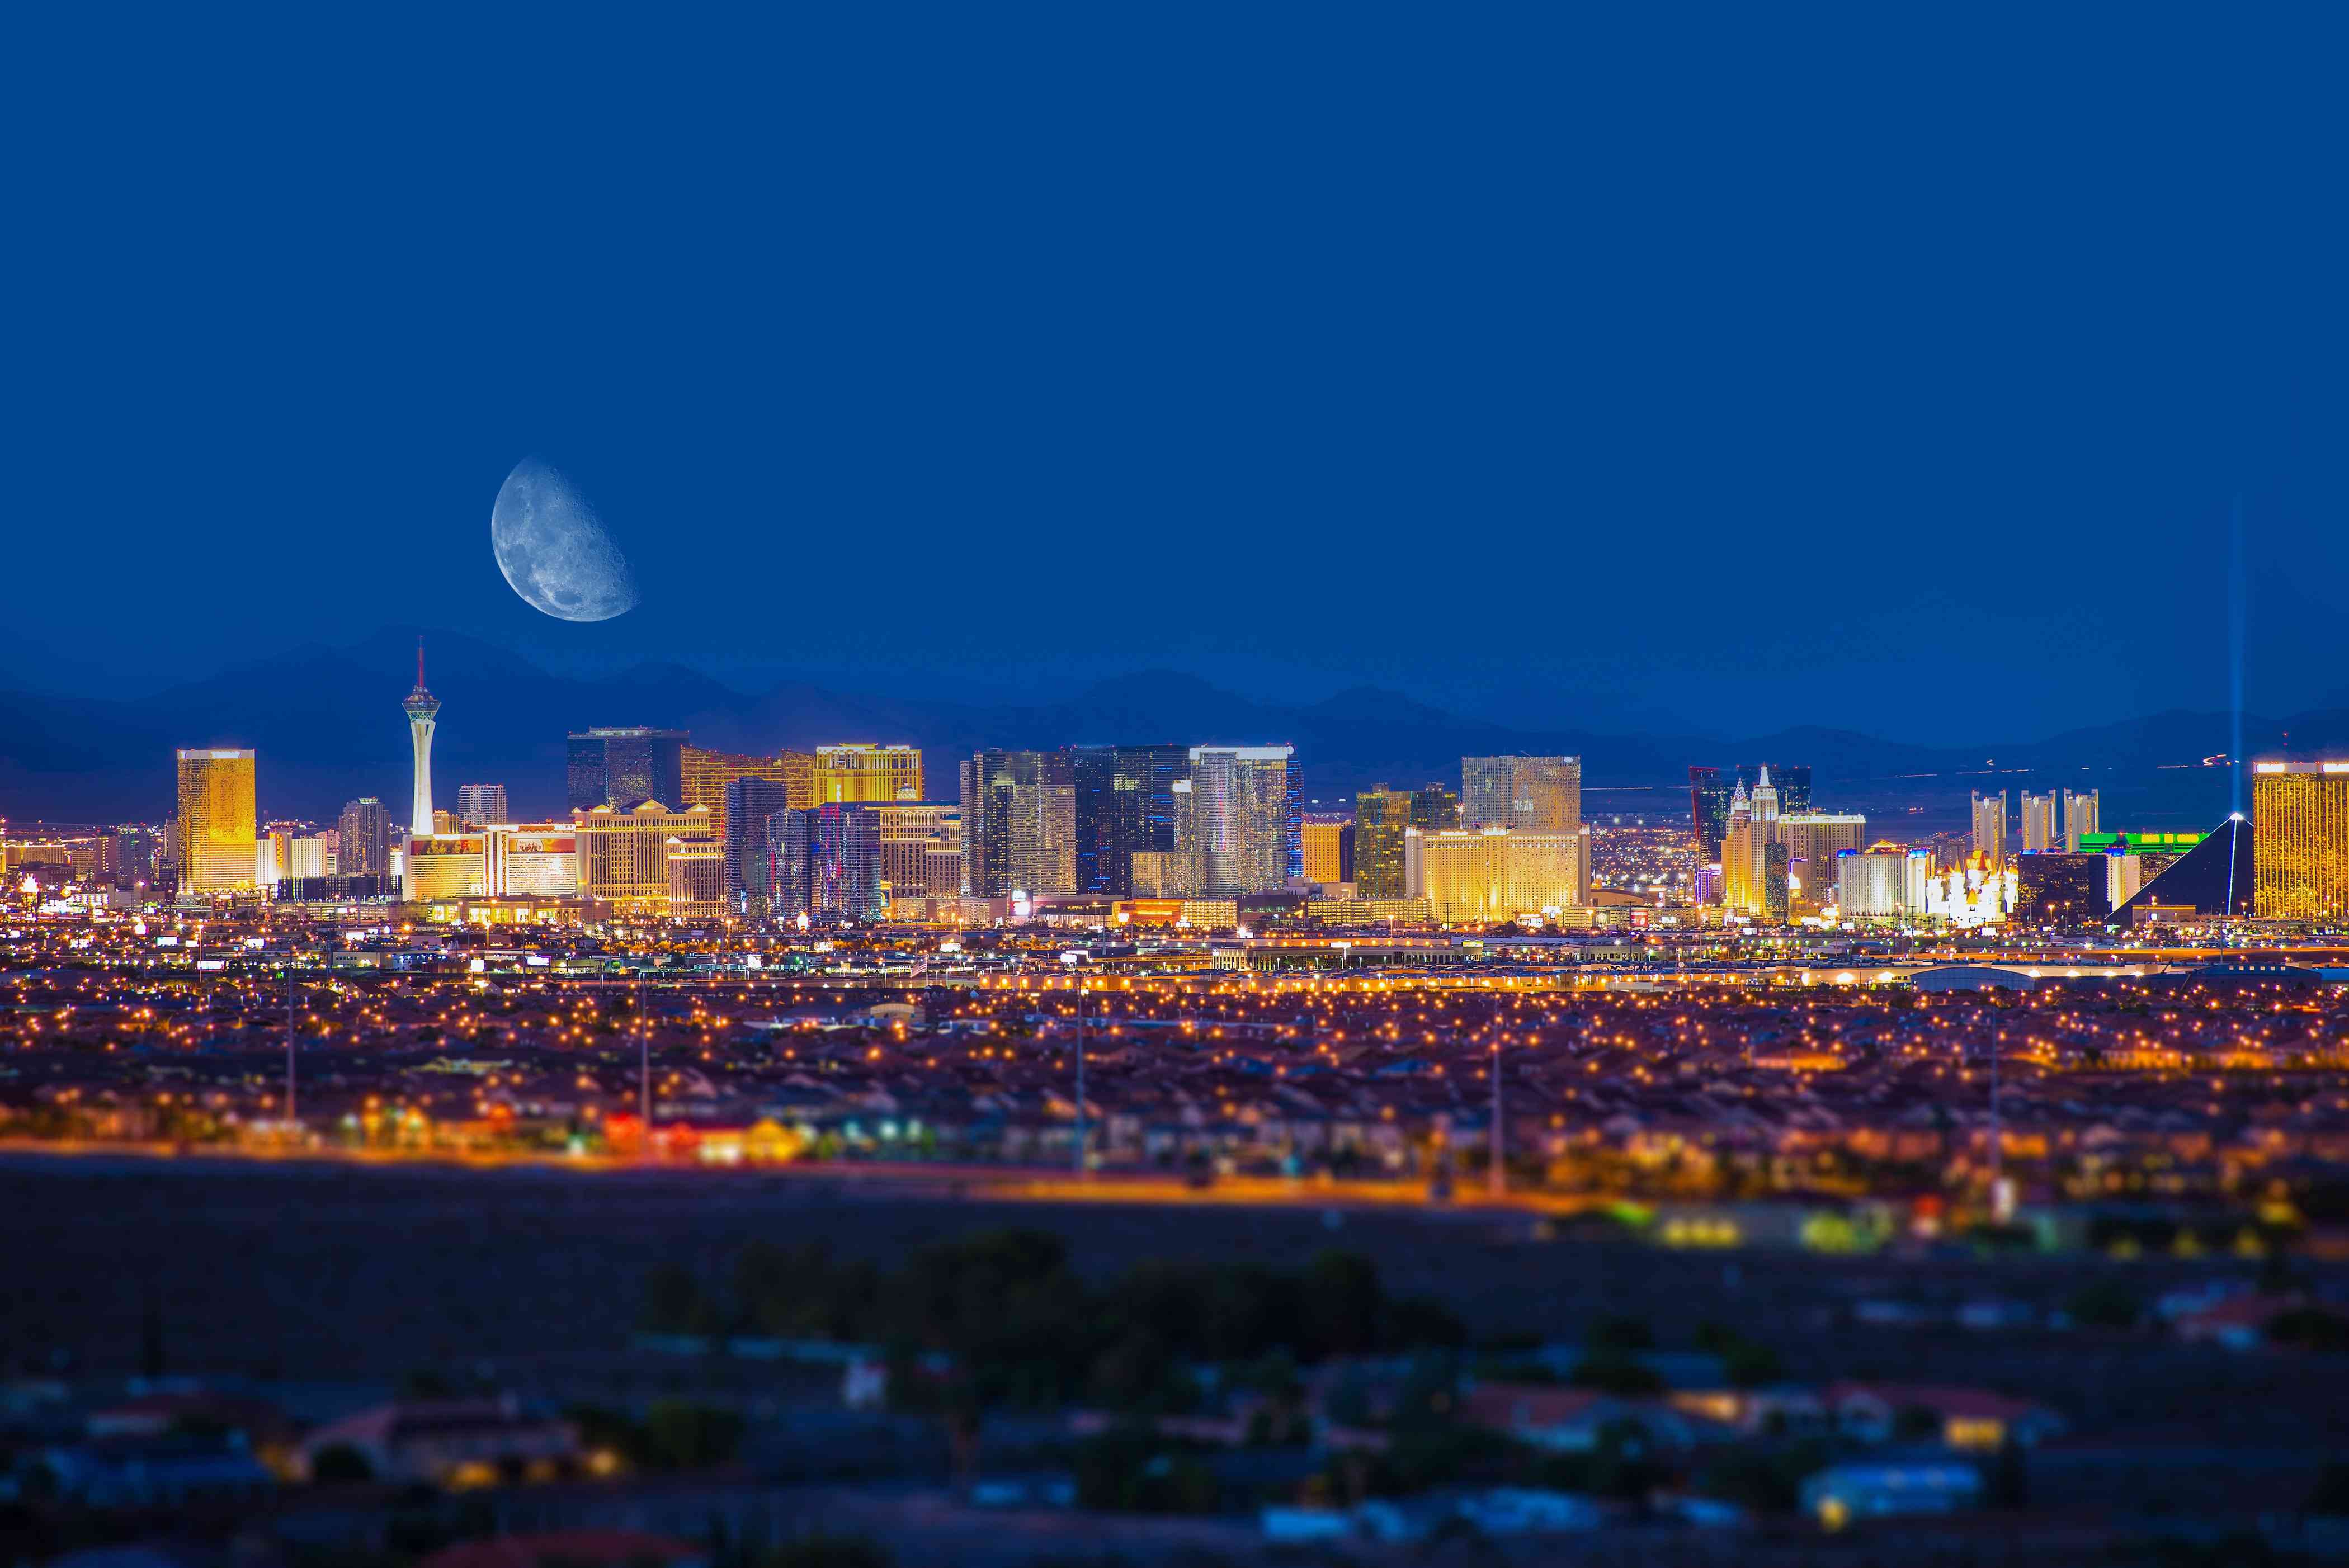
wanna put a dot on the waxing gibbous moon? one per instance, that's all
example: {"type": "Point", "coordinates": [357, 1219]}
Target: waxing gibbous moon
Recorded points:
{"type": "Point", "coordinates": [553, 549]}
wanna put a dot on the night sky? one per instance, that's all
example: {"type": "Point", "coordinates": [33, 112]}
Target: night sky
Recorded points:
{"type": "Point", "coordinates": [1729, 373]}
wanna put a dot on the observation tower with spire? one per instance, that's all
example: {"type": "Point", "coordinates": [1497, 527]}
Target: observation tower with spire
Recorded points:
{"type": "Point", "coordinates": [421, 706]}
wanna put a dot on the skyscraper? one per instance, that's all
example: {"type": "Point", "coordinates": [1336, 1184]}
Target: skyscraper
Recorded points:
{"type": "Point", "coordinates": [860, 770]}
{"type": "Point", "coordinates": [216, 820]}
{"type": "Point", "coordinates": [844, 863]}
{"type": "Point", "coordinates": [481, 805]}
{"type": "Point", "coordinates": [421, 706]}
{"type": "Point", "coordinates": [1792, 781]}
{"type": "Point", "coordinates": [748, 805]}
{"type": "Point", "coordinates": [1709, 810]}
{"type": "Point", "coordinates": [1989, 828]}
{"type": "Point", "coordinates": [1094, 770]}
{"type": "Point", "coordinates": [625, 767]}
{"type": "Point", "coordinates": [363, 835]}
{"type": "Point", "coordinates": [2038, 822]}
{"type": "Point", "coordinates": [1753, 858]}
{"type": "Point", "coordinates": [825, 863]}
{"type": "Point", "coordinates": [1537, 794]}
{"type": "Point", "coordinates": [1380, 815]}
{"type": "Point", "coordinates": [1246, 823]}
{"type": "Point", "coordinates": [1018, 823]}
{"type": "Point", "coordinates": [1328, 848]}
{"type": "Point", "coordinates": [2082, 811]}
{"type": "Point", "coordinates": [1812, 841]}
{"type": "Point", "coordinates": [1141, 813]}
{"type": "Point", "coordinates": [703, 775]}
{"type": "Point", "coordinates": [2300, 840]}
{"type": "Point", "coordinates": [1482, 875]}
{"type": "Point", "coordinates": [1435, 807]}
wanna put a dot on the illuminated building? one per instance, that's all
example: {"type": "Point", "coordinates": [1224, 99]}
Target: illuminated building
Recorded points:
{"type": "Point", "coordinates": [132, 853]}
{"type": "Point", "coordinates": [1380, 815]}
{"type": "Point", "coordinates": [2299, 834]}
{"type": "Point", "coordinates": [1484, 875]}
{"type": "Point", "coordinates": [624, 767]}
{"type": "Point", "coordinates": [624, 855]}
{"type": "Point", "coordinates": [216, 820]}
{"type": "Point", "coordinates": [2081, 814]}
{"type": "Point", "coordinates": [1163, 873]}
{"type": "Point", "coordinates": [446, 822]}
{"type": "Point", "coordinates": [2060, 888]}
{"type": "Point", "coordinates": [1745, 860]}
{"type": "Point", "coordinates": [2038, 814]}
{"type": "Point", "coordinates": [481, 805]}
{"type": "Point", "coordinates": [1775, 864]}
{"type": "Point", "coordinates": [273, 853]}
{"type": "Point", "coordinates": [363, 835]}
{"type": "Point", "coordinates": [1989, 828]}
{"type": "Point", "coordinates": [1883, 882]}
{"type": "Point", "coordinates": [1537, 794]}
{"type": "Point", "coordinates": [1369, 912]}
{"type": "Point", "coordinates": [444, 866]}
{"type": "Point", "coordinates": [1812, 841]}
{"type": "Point", "coordinates": [1709, 810]}
{"type": "Point", "coordinates": [703, 775]}
{"type": "Point", "coordinates": [1791, 780]}
{"type": "Point", "coordinates": [1124, 805]}
{"type": "Point", "coordinates": [2217, 876]}
{"type": "Point", "coordinates": [1018, 823]}
{"type": "Point", "coordinates": [858, 771]}
{"type": "Point", "coordinates": [921, 849]}
{"type": "Point", "coordinates": [825, 863]}
{"type": "Point", "coordinates": [1976, 893]}
{"type": "Point", "coordinates": [2134, 860]}
{"type": "Point", "coordinates": [1435, 807]}
{"type": "Point", "coordinates": [1139, 815]}
{"type": "Point", "coordinates": [751, 804]}
{"type": "Point", "coordinates": [696, 879]}
{"type": "Point", "coordinates": [534, 859]}
{"type": "Point", "coordinates": [1245, 820]}
{"type": "Point", "coordinates": [304, 858]}
{"type": "Point", "coordinates": [1329, 838]}
{"type": "Point", "coordinates": [844, 863]}
{"type": "Point", "coordinates": [333, 889]}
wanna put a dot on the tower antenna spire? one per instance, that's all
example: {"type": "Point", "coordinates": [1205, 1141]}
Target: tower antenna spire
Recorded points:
{"type": "Point", "coordinates": [419, 659]}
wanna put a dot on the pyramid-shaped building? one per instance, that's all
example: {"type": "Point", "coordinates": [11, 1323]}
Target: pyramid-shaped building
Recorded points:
{"type": "Point", "coordinates": [2213, 878]}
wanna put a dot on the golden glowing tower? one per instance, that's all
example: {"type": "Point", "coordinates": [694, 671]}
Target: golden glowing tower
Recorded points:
{"type": "Point", "coordinates": [216, 820]}
{"type": "Point", "coordinates": [2300, 840]}
{"type": "Point", "coordinates": [860, 770]}
{"type": "Point", "coordinates": [707, 773]}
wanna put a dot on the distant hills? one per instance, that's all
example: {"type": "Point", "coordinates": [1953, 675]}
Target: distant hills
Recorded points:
{"type": "Point", "coordinates": [327, 724]}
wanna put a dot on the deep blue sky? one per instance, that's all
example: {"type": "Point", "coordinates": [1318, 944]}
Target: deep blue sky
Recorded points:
{"type": "Point", "coordinates": [1740, 370]}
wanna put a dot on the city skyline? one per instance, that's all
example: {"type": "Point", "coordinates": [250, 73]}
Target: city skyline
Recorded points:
{"type": "Point", "coordinates": [1195, 787]}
